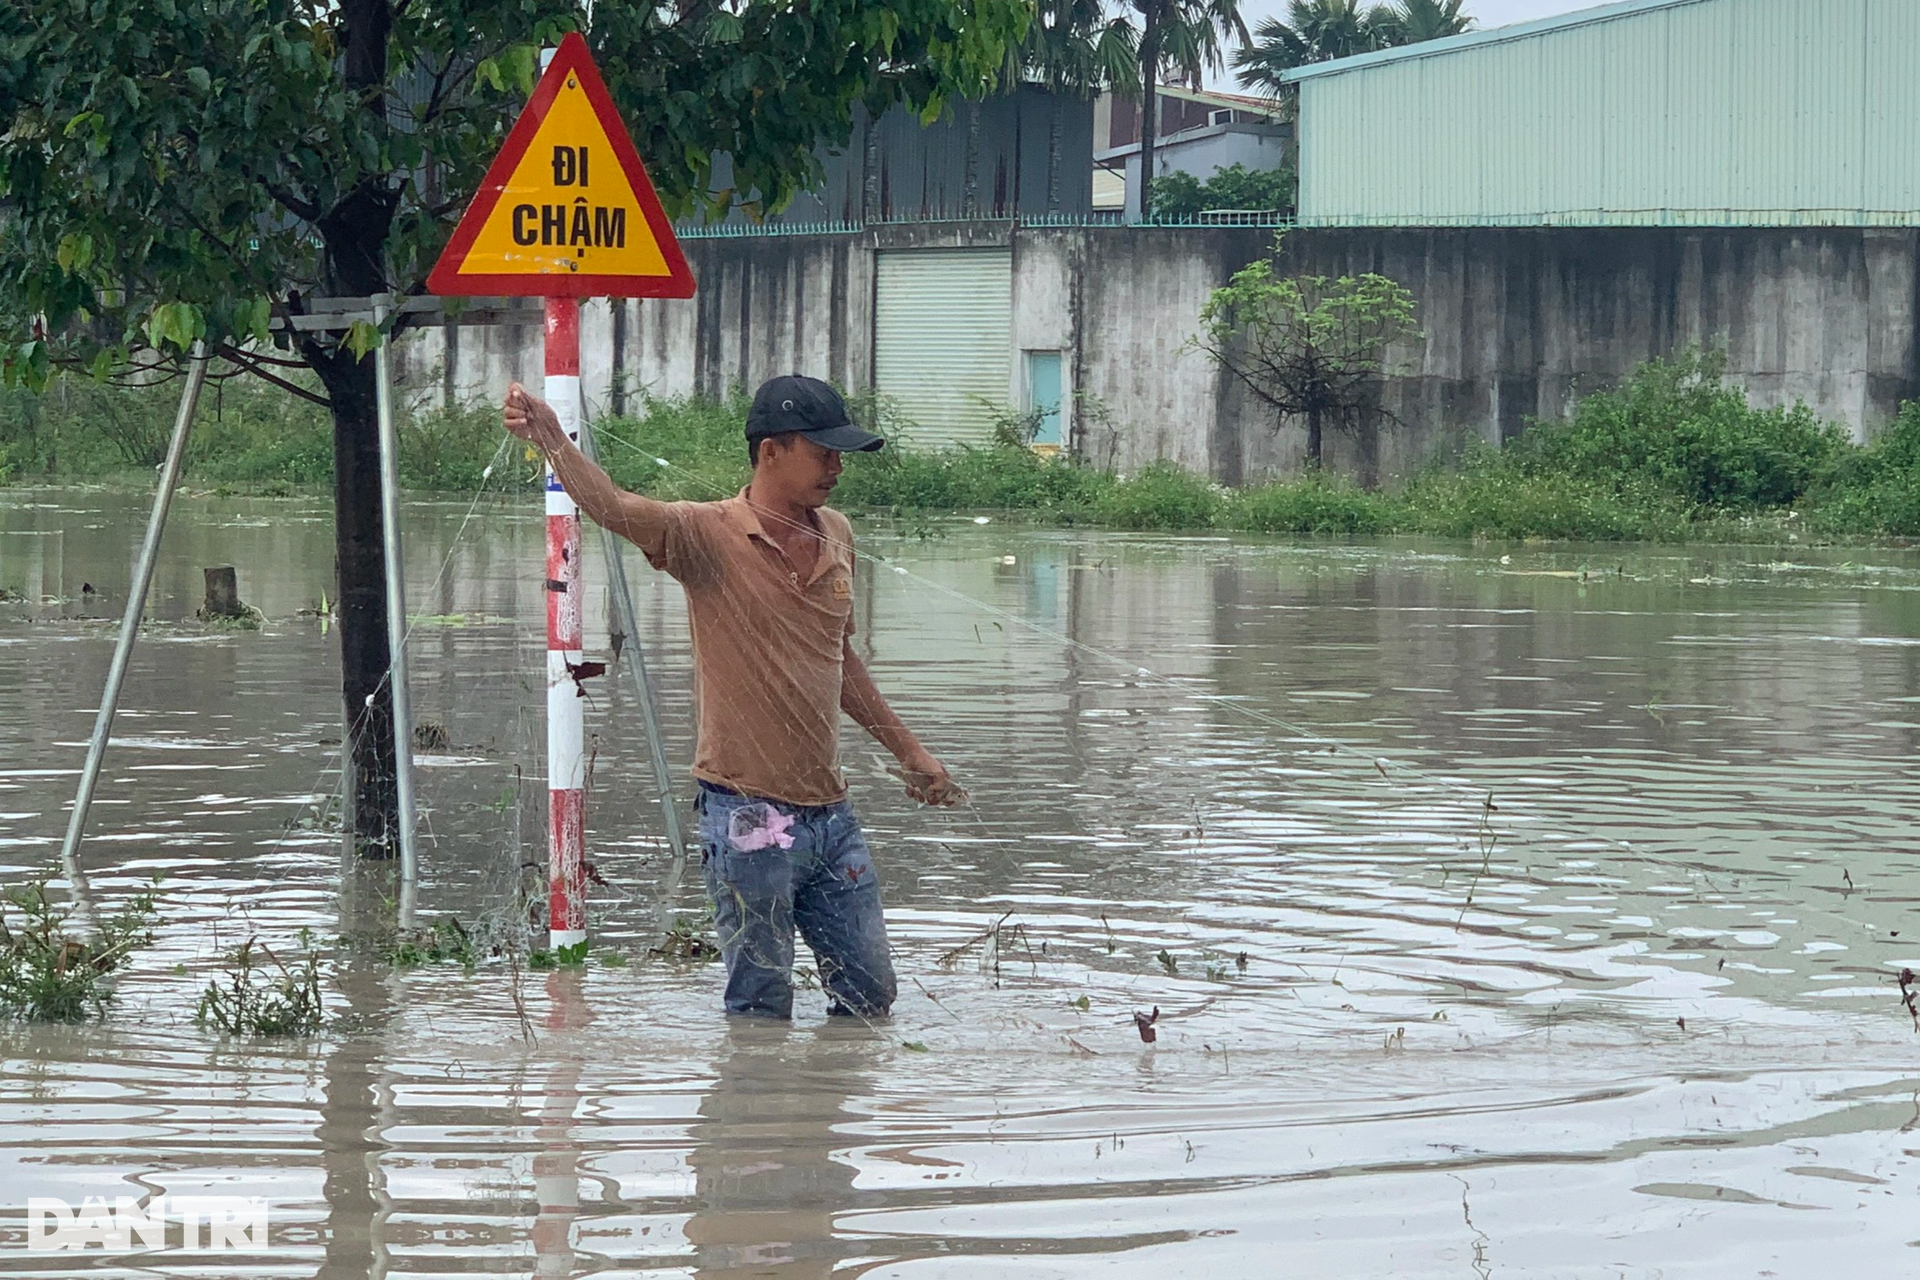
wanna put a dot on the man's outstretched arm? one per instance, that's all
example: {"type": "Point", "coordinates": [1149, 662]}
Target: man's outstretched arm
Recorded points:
{"type": "Point", "coordinates": [638, 519]}
{"type": "Point", "coordinates": [926, 778]}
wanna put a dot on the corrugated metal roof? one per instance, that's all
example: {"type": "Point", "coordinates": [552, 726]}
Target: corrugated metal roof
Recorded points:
{"type": "Point", "coordinates": [1493, 35]}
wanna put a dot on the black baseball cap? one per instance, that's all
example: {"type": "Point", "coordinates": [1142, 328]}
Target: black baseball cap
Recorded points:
{"type": "Point", "coordinates": [792, 402]}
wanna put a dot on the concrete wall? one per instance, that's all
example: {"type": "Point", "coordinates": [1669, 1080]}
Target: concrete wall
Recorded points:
{"type": "Point", "coordinates": [1516, 323]}
{"type": "Point", "coordinates": [1519, 323]}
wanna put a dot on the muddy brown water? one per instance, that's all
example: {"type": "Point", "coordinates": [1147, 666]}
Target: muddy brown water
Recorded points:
{"type": "Point", "coordinates": [1455, 1046]}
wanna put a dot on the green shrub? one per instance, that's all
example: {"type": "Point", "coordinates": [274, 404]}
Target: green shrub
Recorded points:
{"type": "Point", "coordinates": [1878, 488]}
{"type": "Point", "coordinates": [1496, 500]}
{"type": "Point", "coordinates": [1670, 454]}
{"type": "Point", "coordinates": [249, 432]}
{"type": "Point", "coordinates": [451, 449]}
{"type": "Point", "coordinates": [1675, 428]}
{"type": "Point", "coordinates": [1000, 477]}
{"type": "Point", "coordinates": [702, 439]}
{"type": "Point", "coordinates": [1181, 195]}
{"type": "Point", "coordinates": [1315, 504]}
{"type": "Point", "coordinates": [1162, 496]}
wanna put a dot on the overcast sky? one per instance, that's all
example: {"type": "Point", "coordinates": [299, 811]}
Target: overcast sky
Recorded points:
{"type": "Point", "coordinates": [1488, 13]}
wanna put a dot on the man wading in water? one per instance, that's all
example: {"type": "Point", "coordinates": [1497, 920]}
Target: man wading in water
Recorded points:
{"type": "Point", "coordinates": [769, 582]}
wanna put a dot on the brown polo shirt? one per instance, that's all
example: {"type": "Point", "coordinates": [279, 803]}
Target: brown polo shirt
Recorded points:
{"type": "Point", "coordinates": [767, 644]}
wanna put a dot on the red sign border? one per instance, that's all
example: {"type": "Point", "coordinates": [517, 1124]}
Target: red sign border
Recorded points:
{"type": "Point", "coordinates": [446, 279]}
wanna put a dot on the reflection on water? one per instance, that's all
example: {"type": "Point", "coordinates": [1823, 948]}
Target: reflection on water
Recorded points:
{"type": "Point", "coordinates": [766, 1177]}
{"type": "Point", "coordinates": [1575, 955]}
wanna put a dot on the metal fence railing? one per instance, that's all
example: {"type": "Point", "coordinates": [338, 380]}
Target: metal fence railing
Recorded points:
{"type": "Point", "coordinates": [781, 227]}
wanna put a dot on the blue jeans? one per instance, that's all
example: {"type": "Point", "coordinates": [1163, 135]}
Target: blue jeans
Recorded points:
{"type": "Point", "coordinates": [770, 866]}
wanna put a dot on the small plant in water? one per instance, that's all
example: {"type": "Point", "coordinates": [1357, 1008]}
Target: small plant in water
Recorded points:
{"type": "Point", "coordinates": [568, 957]}
{"type": "Point", "coordinates": [252, 1001]}
{"type": "Point", "coordinates": [446, 941]}
{"type": "Point", "coordinates": [684, 941]}
{"type": "Point", "coordinates": [248, 619]}
{"type": "Point", "coordinates": [50, 975]}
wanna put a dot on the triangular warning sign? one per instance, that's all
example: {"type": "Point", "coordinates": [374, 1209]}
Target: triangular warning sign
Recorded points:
{"type": "Point", "coordinates": [566, 210]}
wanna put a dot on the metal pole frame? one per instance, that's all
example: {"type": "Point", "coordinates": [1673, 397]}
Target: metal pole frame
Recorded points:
{"type": "Point", "coordinates": [130, 628]}
{"type": "Point", "coordinates": [643, 689]}
{"type": "Point", "coordinates": [396, 613]}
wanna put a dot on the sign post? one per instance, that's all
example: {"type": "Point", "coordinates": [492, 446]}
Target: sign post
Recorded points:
{"type": "Point", "coordinates": [566, 723]}
{"type": "Point", "coordinates": [566, 212]}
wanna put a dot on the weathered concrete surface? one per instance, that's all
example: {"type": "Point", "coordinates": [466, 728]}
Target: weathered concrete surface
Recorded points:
{"type": "Point", "coordinates": [1518, 323]}
{"type": "Point", "coordinates": [1515, 324]}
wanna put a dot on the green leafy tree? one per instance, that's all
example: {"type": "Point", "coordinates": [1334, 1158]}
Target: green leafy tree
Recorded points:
{"type": "Point", "coordinates": [1417, 21]}
{"type": "Point", "coordinates": [174, 171]}
{"type": "Point", "coordinates": [1322, 30]}
{"type": "Point", "coordinates": [1181, 195]}
{"type": "Point", "coordinates": [1312, 31]}
{"type": "Point", "coordinates": [1076, 50]}
{"type": "Point", "coordinates": [1184, 38]}
{"type": "Point", "coordinates": [1312, 347]}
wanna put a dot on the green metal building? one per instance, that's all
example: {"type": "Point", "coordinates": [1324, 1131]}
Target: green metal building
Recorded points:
{"type": "Point", "coordinates": [1643, 113]}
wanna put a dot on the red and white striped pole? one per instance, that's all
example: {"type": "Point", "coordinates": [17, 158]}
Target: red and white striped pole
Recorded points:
{"type": "Point", "coordinates": [566, 728]}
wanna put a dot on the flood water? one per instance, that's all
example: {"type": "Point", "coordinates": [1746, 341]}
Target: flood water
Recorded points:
{"type": "Point", "coordinates": [1638, 1016]}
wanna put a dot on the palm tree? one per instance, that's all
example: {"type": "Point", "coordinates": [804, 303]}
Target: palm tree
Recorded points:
{"type": "Point", "coordinates": [1314, 31]}
{"type": "Point", "coordinates": [1075, 49]}
{"type": "Point", "coordinates": [1414, 21]}
{"type": "Point", "coordinates": [1183, 37]}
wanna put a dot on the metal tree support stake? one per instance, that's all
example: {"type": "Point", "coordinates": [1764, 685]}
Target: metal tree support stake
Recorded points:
{"type": "Point", "coordinates": [643, 689]}
{"type": "Point", "coordinates": [566, 720]}
{"type": "Point", "coordinates": [130, 624]}
{"type": "Point", "coordinates": [396, 615]}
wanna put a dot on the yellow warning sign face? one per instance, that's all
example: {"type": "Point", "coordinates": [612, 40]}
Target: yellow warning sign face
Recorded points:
{"type": "Point", "coordinates": [567, 209]}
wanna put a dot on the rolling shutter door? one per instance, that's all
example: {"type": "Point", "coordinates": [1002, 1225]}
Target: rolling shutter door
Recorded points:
{"type": "Point", "coordinates": [943, 340]}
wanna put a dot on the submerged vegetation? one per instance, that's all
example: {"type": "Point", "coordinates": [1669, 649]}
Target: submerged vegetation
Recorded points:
{"type": "Point", "coordinates": [249, 999]}
{"type": "Point", "coordinates": [53, 971]}
{"type": "Point", "coordinates": [445, 941]}
{"type": "Point", "coordinates": [1672, 454]}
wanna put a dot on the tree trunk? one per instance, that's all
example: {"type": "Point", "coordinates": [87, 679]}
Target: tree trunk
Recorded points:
{"type": "Point", "coordinates": [1053, 155]}
{"type": "Point", "coordinates": [354, 234]}
{"type": "Point", "coordinates": [223, 593]}
{"type": "Point", "coordinates": [870, 210]}
{"type": "Point", "coordinates": [970, 193]}
{"type": "Point", "coordinates": [1366, 435]}
{"type": "Point", "coordinates": [1149, 101]}
{"type": "Point", "coordinates": [373, 797]}
{"type": "Point", "coordinates": [1313, 438]}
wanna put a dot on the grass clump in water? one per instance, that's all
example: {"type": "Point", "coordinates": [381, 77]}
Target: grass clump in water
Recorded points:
{"type": "Point", "coordinates": [250, 1000]}
{"type": "Point", "coordinates": [685, 940]}
{"type": "Point", "coordinates": [50, 975]}
{"type": "Point", "coordinates": [445, 941]}
{"type": "Point", "coordinates": [572, 956]}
